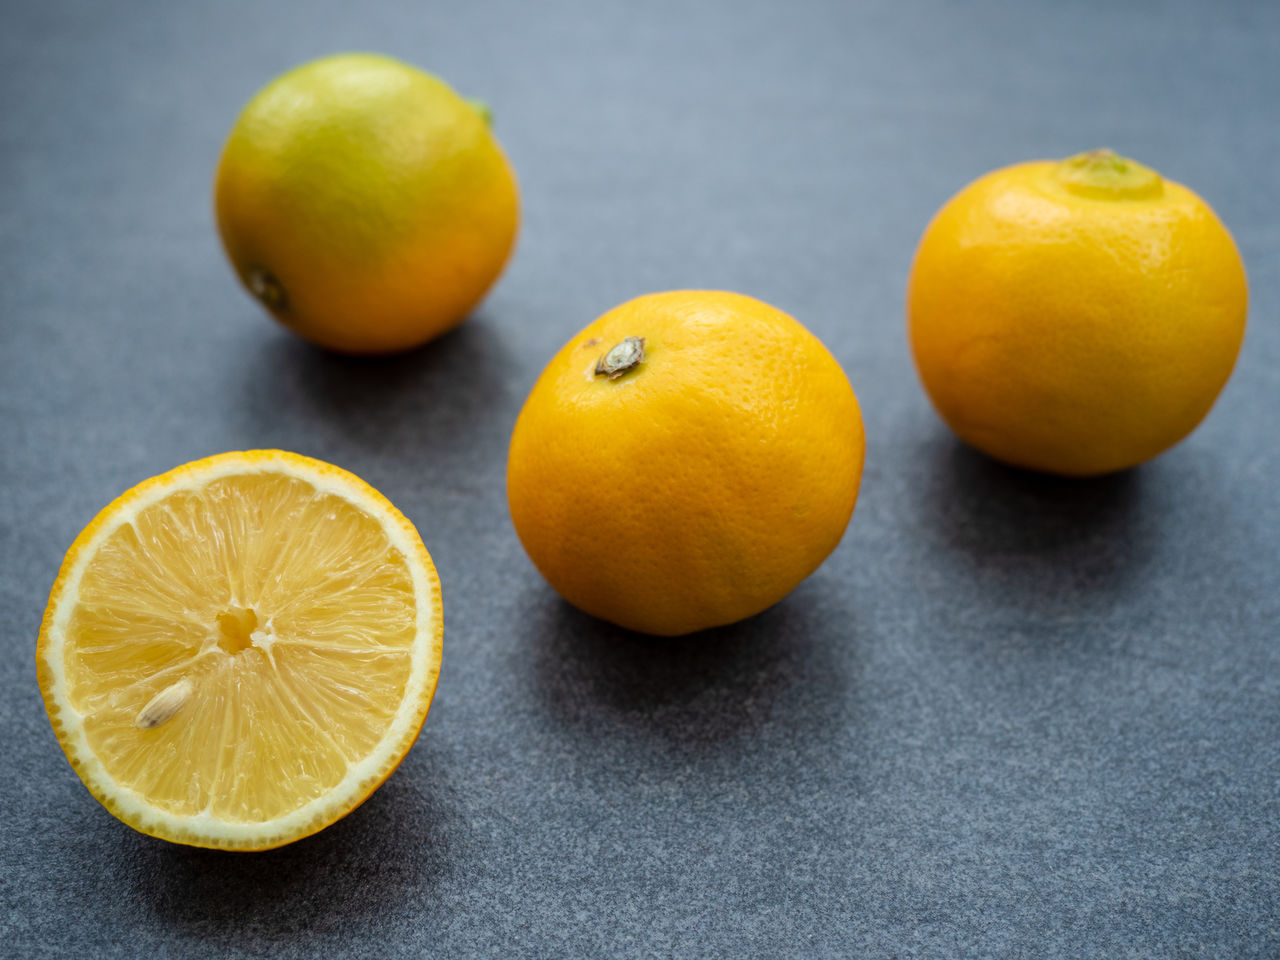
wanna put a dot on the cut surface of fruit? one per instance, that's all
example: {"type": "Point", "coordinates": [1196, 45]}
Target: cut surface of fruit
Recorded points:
{"type": "Point", "coordinates": [238, 652]}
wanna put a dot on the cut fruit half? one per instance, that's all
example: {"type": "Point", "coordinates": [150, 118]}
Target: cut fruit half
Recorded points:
{"type": "Point", "coordinates": [238, 652]}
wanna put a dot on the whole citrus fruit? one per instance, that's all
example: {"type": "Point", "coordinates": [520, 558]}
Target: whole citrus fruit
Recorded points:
{"type": "Point", "coordinates": [236, 653]}
{"type": "Point", "coordinates": [685, 461]}
{"type": "Point", "coordinates": [365, 204]}
{"type": "Point", "coordinates": [1075, 317]}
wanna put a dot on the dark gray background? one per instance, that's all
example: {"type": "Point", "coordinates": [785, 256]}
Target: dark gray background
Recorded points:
{"type": "Point", "coordinates": [1011, 715]}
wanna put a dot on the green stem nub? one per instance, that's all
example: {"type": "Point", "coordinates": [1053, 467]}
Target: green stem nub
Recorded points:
{"type": "Point", "coordinates": [482, 108]}
{"type": "Point", "coordinates": [1103, 175]}
{"type": "Point", "coordinates": [627, 354]}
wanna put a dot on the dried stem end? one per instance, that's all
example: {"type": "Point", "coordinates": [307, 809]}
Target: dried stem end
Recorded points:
{"type": "Point", "coordinates": [627, 354]}
{"type": "Point", "coordinates": [263, 284]}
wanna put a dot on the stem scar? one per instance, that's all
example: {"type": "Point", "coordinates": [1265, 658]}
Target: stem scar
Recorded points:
{"type": "Point", "coordinates": [624, 356]}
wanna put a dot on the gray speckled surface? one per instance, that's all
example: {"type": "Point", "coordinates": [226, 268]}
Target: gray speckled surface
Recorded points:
{"type": "Point", "coordinates": [1011, 716]}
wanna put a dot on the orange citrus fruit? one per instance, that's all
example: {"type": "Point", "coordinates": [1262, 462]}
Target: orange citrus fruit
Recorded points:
{"type": "Point", "coordinates": [365, 204]}
{"type": "Point", "coordinates": [238, 652]}
{"type": "Point", "coordinates": [685, 461]}
{"type": "Point", "coordinates": [1076, 317]}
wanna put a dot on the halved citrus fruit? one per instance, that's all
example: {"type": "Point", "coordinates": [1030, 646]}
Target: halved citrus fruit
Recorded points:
{"type": "Point", "coordinates": [238, 652]}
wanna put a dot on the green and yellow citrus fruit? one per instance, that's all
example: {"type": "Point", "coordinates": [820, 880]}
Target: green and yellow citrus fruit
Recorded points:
{"type": "Point", "coordinates": [365, 204]}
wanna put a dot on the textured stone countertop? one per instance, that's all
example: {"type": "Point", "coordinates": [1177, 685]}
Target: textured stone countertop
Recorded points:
{"type": "Point", "coordinates": [1011, 716]}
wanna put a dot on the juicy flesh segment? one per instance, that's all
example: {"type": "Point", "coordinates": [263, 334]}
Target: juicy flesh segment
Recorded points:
{"type": "Point", "coordinates": [291, 617]}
